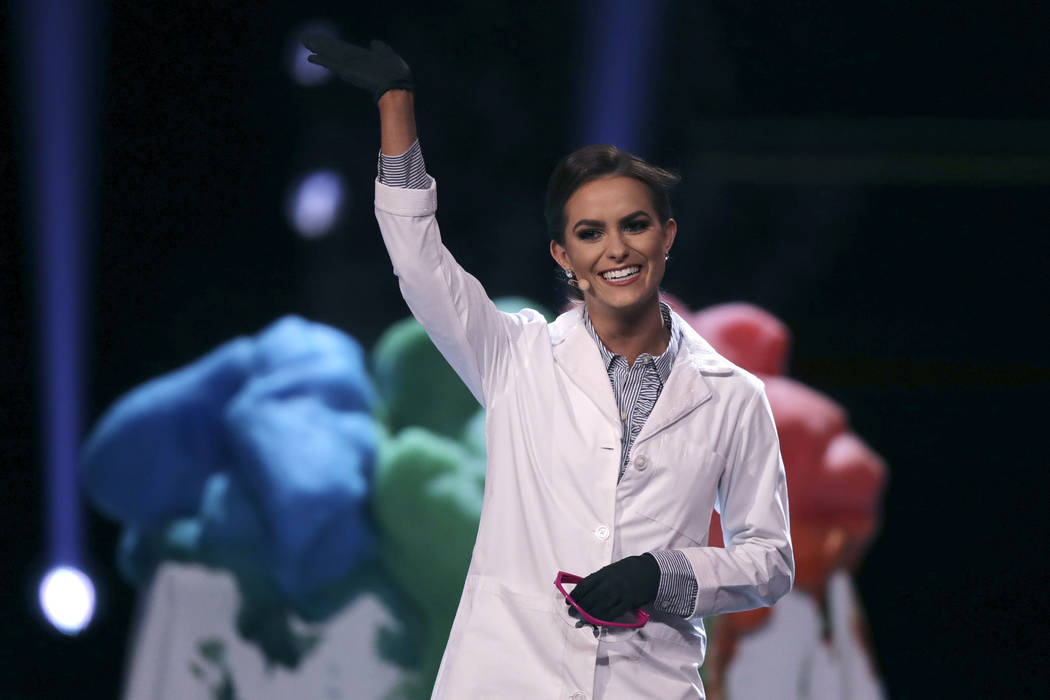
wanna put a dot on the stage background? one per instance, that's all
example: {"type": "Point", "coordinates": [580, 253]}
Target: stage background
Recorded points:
{"type": "Point", "coordinates": [876, 175]}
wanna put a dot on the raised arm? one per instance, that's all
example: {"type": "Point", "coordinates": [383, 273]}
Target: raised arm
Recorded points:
{"type": "Point", "coordinates": [473, 335]}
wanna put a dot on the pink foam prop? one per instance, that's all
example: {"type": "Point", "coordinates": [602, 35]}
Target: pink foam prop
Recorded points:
{"type": "Point", "coordinates": [746, 335]}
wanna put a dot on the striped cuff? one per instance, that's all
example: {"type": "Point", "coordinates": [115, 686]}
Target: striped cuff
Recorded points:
{"type": "Point", "coordinates": [406, 171]}
{"type": "Point", "coordinates": [677, 592]}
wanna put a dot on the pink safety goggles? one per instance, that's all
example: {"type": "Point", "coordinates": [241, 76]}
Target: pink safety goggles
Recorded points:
{"type": "Point", "coordinates": [641, 616]}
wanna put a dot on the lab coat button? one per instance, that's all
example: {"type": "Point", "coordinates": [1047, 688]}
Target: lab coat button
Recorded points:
{"type": "Point", "coordinates": [601, 532]}
{"type": "Point", "coordinates": [578, 696]}
{"type": "Point", "coordinates": [641, 462]}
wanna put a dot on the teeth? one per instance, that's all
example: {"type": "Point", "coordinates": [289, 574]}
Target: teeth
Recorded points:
{"type": "Point", "coordinates": [620, 274]}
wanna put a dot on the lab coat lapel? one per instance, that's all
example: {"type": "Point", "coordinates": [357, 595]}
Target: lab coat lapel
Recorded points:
{"type": "Point", "coordinates": [575, 351]}
{"type": "Point", "coordinates": [687, 389]}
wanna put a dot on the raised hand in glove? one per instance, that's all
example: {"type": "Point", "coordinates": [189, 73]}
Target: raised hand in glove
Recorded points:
{"type": "Point", "coordinates": [618, 588]}
{"type": "Point", "coordinates": [376, 69]}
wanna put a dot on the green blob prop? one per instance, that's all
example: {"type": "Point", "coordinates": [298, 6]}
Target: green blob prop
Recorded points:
{"type": "Point", "coordinates": [417, 387]}
{"type": "Point", "coordinates": [427, 501]}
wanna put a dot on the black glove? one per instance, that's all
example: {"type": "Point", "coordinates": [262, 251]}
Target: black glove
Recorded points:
{"type": "Point", "coordinates": [376, 69]}
{"type": "Point", "coordinates": [618, 588]}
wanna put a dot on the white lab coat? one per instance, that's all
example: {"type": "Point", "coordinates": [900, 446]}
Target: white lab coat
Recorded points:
{"type": "Point", "coordinates": [552, 501]}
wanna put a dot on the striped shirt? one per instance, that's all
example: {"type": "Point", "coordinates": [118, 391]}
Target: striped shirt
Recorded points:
{"type": "Point", "coordinates": [637, 386]}
{"type": "Point", "coordinates": [407, 170]}
{"type": "Point", "coordinates": [636, 389]}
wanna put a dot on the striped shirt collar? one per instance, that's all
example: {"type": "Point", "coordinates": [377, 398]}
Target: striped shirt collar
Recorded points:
{"type": "Point", "coordinates": [663, 363]}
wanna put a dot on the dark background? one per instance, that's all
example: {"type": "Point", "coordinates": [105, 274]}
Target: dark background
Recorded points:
{"type": "Point", "coordinates": [875, 174]}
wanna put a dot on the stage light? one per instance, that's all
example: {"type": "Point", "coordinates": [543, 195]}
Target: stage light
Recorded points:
{"type": "Point", "coordinates": [67, 598]}
{"type": "Point", "coordinates": [623, 46]}
{"type": "Point", "coordinates": [316, 203]}
{"type": "Point", "coordinates": [57, 96]}
{"type": "Point", "coordinates": [301, 70]}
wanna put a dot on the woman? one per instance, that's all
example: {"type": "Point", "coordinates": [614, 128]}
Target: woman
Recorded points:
{"type": "Point", "coordinates": [611, 434]}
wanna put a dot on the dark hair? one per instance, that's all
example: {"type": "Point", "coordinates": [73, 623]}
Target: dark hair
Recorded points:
{"type": "Point", "coordinates": [590, 163]}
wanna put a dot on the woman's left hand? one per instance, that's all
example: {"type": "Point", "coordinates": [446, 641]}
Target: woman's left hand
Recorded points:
{"type": "Point", "coordinates": [618, 588]}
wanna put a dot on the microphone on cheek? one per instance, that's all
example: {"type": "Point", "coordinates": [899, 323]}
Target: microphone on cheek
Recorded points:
{"type": "Point", "coordinates": [583, 285]}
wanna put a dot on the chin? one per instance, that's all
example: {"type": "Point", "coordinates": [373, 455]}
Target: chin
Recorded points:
{"type": "Point", "coordinates": [627, 299]}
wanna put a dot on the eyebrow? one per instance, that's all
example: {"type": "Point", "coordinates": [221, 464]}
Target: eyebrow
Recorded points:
{"type": "Point", "coordinates": [595, 222]}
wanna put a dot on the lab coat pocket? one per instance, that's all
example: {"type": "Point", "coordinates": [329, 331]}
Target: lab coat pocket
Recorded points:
{"type": "Point", "coordinates": [508, 630]}
{"type": "Point", "coordinates": [679, 492]}
{"type": "Point", "coordinates": [658, 662]}
{"type": "Point", "coordinates": [672, 655]}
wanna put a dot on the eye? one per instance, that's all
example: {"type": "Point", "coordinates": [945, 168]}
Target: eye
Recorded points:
{"type": "Point", "coordinates": [636, 225]}
{"type": "Point", "coordinates": [589, 233]}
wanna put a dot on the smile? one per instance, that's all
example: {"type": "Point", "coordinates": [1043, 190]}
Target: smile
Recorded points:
{"type": "Point", "coordinates": [623, 275]}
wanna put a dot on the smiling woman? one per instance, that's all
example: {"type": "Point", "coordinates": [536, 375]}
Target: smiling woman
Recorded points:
{"type": "Point", "coordinates": [610, 432]}
{"type": "Point", "coordinates": [596, 162]}
{"type": "Point", "coordinates": [611, 231]}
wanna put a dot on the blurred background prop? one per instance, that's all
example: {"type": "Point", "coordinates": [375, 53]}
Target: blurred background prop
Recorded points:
{"type": "Point", "coordinates": [814, 643]}
{"type": "Point", "coordinates": [253, 486]}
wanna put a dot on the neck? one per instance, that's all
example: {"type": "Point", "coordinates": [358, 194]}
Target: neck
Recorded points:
{"type": "Point", "coordinates": [631, 332]}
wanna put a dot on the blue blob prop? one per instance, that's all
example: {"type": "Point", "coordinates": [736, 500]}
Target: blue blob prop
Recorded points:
{"type": "Point", "coordinates": [258, 458]}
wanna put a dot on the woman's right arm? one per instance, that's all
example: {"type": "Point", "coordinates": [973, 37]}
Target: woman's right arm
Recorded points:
{"type": "Point", "coordinates": [472, 334]}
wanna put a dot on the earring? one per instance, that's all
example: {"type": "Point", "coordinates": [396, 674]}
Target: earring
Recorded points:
{"type": "Point", "coordinates": [667, 256]}
{"type": "Point", "coordinates": [582, 285]}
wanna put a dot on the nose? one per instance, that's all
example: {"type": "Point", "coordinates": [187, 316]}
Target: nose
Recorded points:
{"type": "Point", "coordinates": [616, 249]}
